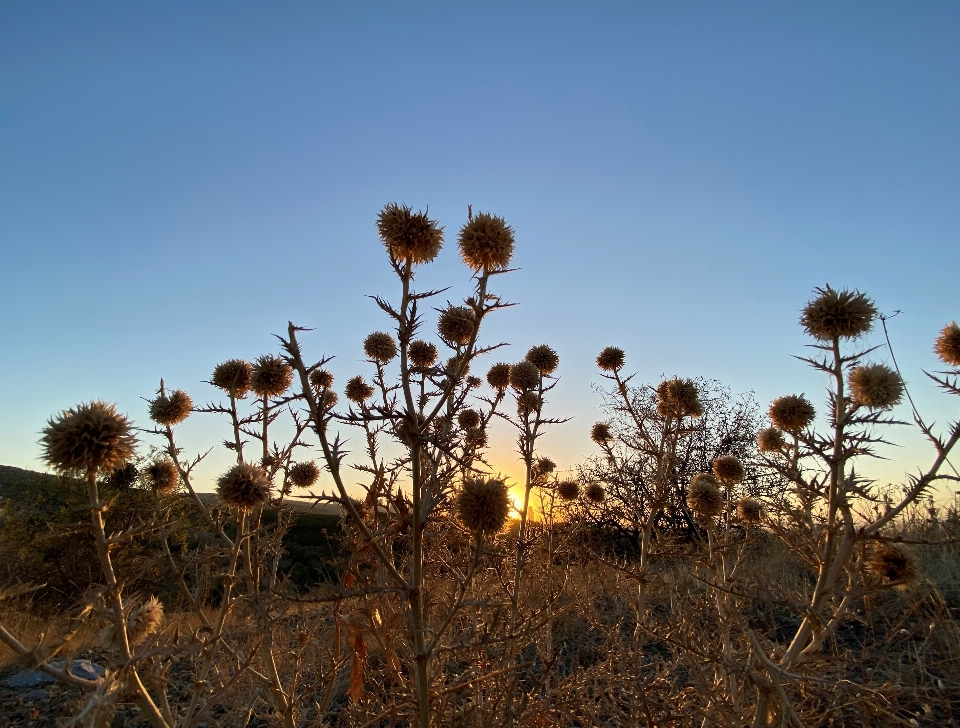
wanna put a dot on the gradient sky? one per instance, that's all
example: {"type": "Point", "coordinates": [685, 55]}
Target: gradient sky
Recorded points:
{"type": "Point", "coordinates": [178, 180]}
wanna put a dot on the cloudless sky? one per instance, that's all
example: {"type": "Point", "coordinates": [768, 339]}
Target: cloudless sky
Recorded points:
{"type": "Point", "coordinates": [178, 180]}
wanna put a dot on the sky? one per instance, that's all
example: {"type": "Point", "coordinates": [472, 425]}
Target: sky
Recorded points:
{"type": "Point", "coordinates": [179, 180]}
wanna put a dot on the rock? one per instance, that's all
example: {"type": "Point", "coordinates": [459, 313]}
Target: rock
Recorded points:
{"type": "Point", "coordinates": [37, 695]}
{"type": "Point", "coordinates": [29, 679]}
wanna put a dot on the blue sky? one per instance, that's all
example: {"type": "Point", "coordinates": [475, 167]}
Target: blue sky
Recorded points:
{"type": "Point", "coordinates": [178, 180]}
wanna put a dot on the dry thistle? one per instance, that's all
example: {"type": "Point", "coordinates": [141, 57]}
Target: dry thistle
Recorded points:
{"type": "Point", "coordinates": [486, 242]}
{"type": "Point", "coordinates": [321, 379]}
{"type": "Point", "coordinates": [568, 490]}
{"type": "Point", "coordinates": [611, 359]}
{"type": "Point", "coordinates": [792, 413]}
{"type": "Point", "coordinates": [409, 236]}
{"type": "Point", "coordinates": [456, 325]}
{"type": "Point", "coordinates": [357, 390]}
{"type": "Point", "coordinates": [162, 475]}
{"type": "Point", "coordinates": [499, 376]}
{"type": "Point", "coordinates": [678, 398]}
{"type": "Point", "coordinates": [476, 439]}
{"type": "Point", "coordinates": [524, 376]}
{"type": "Point", "coordinates": [144, 620]}
{"type": "Point", "coordinates": [528, 402]}
{"type": "Point", "coordinates": [703, 497]}
{"type": "Point", "coordinates": [423, 354]}
{"type": "Point", "coordinates": [728, 469]}
{"type": "Point", "coordinates": [595, 493]}
{"type": "Point", "coordinates": [749, 510]}
{"type": "Point", "coordinates": [90, 437]}
{"type": "Point", "coordinates": [483, 505]}
{"type": "Point", "coordinates": [544, 466]}
{"type": "Point", "coordinates": [771, 439]}
{"type": "Point", "coordinates": [171, 409]}
{"type": "Point", "coordinates": [304, 474]}
{"type": "Point", "coordinates": [474, 382]}
{"type": "Point", "coordinates": [600, 433]}
{"type": "Point", "coordinates": [876, 386]}
{"type": "Point", "coordinates": [890, 563]}
{"type": "Point", "coordinates": [380, 347]}
{"type": "Point", "coordinates": [544, 359]}
{"type": "Point", "coordinates": [328, 400]}
{"type": "Point", "coordinates": [838, 314]}
{"type": "Point", "coordinates": [244, 486]}
{"type": "Point", "coordinates": [233, 377]}
{"type": "Point", "coordinates": [947, 346]}
{"type": "Point", "coordinates": [271, 376]}
{"type": "Point", "coordinates": [469, 419]}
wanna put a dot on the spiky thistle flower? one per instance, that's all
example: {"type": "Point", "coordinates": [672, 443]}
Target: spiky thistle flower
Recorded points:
{"type": "Point", "coordinates": [611, 359]}
{"type": "Point", "coordinates": [233, 377]}
{"type": "Point", "coordinates": [728, 469]}
{"type": "Point", "coordinates": [544, 466]}
{"type": "Point", "coordinates": [595, 493]}
{"type": "Point", "coordinates": [271, 376]}
{"type": "Point", "coordinates": [304, 474]}
{"type": "Point", "coordinates": [171, 409]}
{"type": "Point", "coordinates": [321, 379]}
{"type": "Point", "coordinates": [469, 419]}
{"type": "Point", "coordinates": [528, 402]}
{"type": "Point", "coordinates": [456, 325]}
{"type": "Point", "coordinates": [407, 235]}
{"type": "Point", "coordinates": [544, 359]}
{"type": "Point", "coordinates": [771, 439]}
{"type": "Point", "coordinates": [947, 346]}
{"type": "Point", "coordinates": [876, 386]}
{"type": "Point", "coordinates": [328, 400]}
{"type": "Point", "coordinates": [486, 242]}
{"type": "Point", "coordinates": [568, 490]}
{"type": "Point", "coordinates": [678, 398]}
{"type": "Point", "coordinates": [704, 497]}
{"type": "Point", "coordinates": [834, 314]}
{"type": "Point", "coordinates": [144, 620]}
{"type": "Point", "coordinates": [600, 433]}
{"type": "Point", "coordinates": [476, 439]}
{"type": "Point", "coordinates": [162, 475]}
{"type": "Point", "coordinates": [423, 354]}
{"type": "Point", "coordinates": [524, 376]}
{"type": "Point", "coordinates": [792, 413]}
{"type": "Point", "coordinates": [357, 390]}
{"type": "Point", "coordinates": [888, 562]}
{"type": "Point", "coordinates": [380, 347]}
{"type": "Point", "coordinates": [483, 505]}
{"type": "Point", "coordinates": [749, 510]}
{"type": "Point", "coordinates": [474, 382]}
{"type": "Point", "coordinates": [244, 486]}
{"type": "Point", "coordinates": [90, 437]}
{"type": "Point", "coordinates": [499, 376]}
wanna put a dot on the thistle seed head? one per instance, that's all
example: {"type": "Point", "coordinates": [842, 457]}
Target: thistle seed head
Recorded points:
{"type": "Point", "coordinates": [486, 242]}
{"type": "Point", "coordinates": [611, 359]}
{"type": "Point", "coordinates": [474, 382]}
{"type": "Point", "coordinates": [89, 437]}
{"type": "Point", "coordinates": [328, 400]}
{"type": "Point", "coordinates": [162, 475]}
{"type": "Point", "coordinates": [244, 486]}
{"type": "Point", "coordinates": [469, 419]}
{"type": "Point", "coordinates": [544, 359]}
{"type": "Point", "coordinates": [771, 439]}
{"type": "Point", "coordinates": [407, 235]}
{"type": "Point", "coordinates": [703, 497]}
{"type": "Point", "coordinates": [889, 563]}
{"type": "Point", "coordinates": [483, 505]}
{"type": "Point", "coordinates": [271, 376]}
{"type": "Point", "coordinates": [876, 386]}
{"type": "Point", "coordinates": [456, 325]}
{"type": "Point", "coordinates": [600, 433]}
{"type": "Point", "coordinates": [947, 346]}
{"type": "Point", "coordinates": [171, 409]}
{"type": "Point", "coordinates": [834, 314]}
{"type": "Point", "coordinates": [304, 474]}
{"type": "Point", "coordinates": [728, 469]}
{"type": "Point", "coordinates": [380, 347]}
{"type": "Point", "coordinates": [524, 376]}
{"type": "Point", "coordinates": [321, 379]}
{"type": "Point", "coordinates": [595, 493]}
{"type": "Point", "coordinates": [357, 390]}
{"type": "Point", "coordinates": [144, 620]}
{"type": "Point", "coordinates": [749, 511]}
{"type": "Point", "coordinates": [544, 466]}
{"type": "Point", "coordinates": [476, 439]}
{"type": "Point", "coordinates": [678, 398]}
{"type": "Point", "coordinates": [499, 376]}
{"type": "Point", "coordinates": [233, 377]}
{"type": "Point", "coordinates": [528, 402]}
{"type": "Point", "coordinates": [568, 490]}
{"type": "Point", "coordinates": [792, 413]}
{"type": "Point", "coordinates": [423, 354]}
